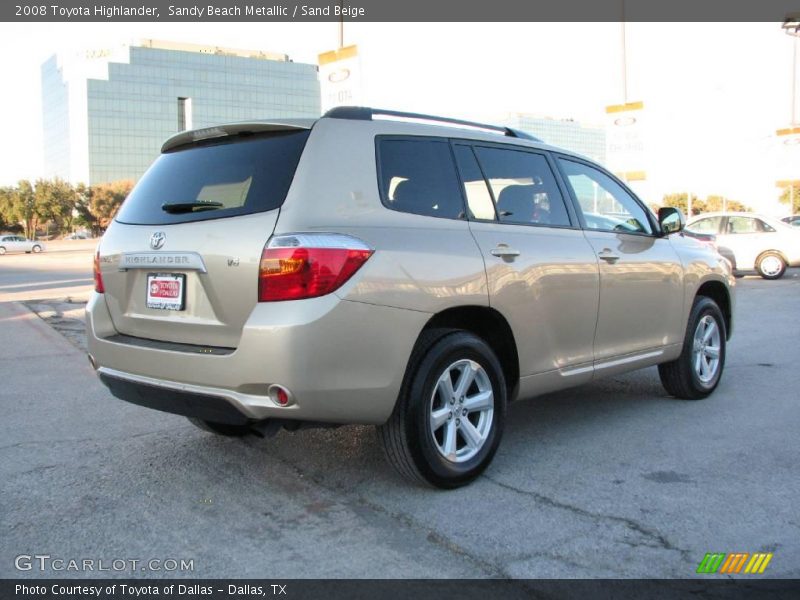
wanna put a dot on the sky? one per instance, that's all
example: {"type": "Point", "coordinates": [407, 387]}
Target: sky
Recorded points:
{"type": "Point", "coordinates": [714, 93]}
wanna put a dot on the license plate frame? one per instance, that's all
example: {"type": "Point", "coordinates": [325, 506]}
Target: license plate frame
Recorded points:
{"type": "Point", "coordinates": [159, 296]}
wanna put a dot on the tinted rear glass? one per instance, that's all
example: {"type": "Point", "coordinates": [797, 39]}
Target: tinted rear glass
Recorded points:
{"type": "Point", "coordinates": [418, 176]}
{"type": "Point", "coordinates": [239, 176]}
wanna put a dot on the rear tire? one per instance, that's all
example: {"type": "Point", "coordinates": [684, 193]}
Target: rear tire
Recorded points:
{"type": "Point", "coordinates": [771, 265]}
{"type": "Point", "coordinates": [220, 428]}
{"type": "Point", "coordinates": [697, 371]}
{"type": "Point", "coordinates": [37, 248]}
{"type": "Point", "coordinates": [2, 250]}
{"type": "Point", "coordinates": [449, 416]}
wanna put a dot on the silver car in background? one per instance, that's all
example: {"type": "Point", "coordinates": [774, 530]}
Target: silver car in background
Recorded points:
{"type": "Point", "coordinates": [401, 270]}
{"type": "Point", "coordinates": [755, 242]}
{"type": "Point", "coordinates": [17, 243]}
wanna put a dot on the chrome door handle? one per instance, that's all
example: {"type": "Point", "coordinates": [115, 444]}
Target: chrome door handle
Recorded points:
{"type": "Point", "coordinates": [607, 255]}
{"type": "Point", "coordinates": [503, 251]}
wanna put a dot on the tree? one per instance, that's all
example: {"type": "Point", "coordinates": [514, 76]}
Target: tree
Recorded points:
{"type": "Point", "coordinates": [680, 201]}
{"type": "Point", "coordinates": [716, 203]}
{"type": "Point", "coordinates": [792, 193]}
{"type": "Point", "coordinates": [6, 213]}
{"type": "Point", "coordinates": [55, 201]}
{"type": "Point", "coordinates": [22, 207]}
{"type": "Point", "coordinates": [83, 197]}
{"type": "Point", "coordinates": [106, 198]}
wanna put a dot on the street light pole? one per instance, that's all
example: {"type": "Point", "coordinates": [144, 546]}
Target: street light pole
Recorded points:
{"type": "Point", "coordinates": [791, 25]}
{"type": "Point", "coordinates": [624, 57]}
{"type": "Point", "coordinates": [341, 25]}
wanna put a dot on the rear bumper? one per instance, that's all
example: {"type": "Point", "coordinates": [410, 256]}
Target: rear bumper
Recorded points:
{"type": "Point", "coordinates": [179, 402]}
{"type": "Point", "coordinates": [342, 361]}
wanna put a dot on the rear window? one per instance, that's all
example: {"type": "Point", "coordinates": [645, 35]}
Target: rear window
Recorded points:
{"type": "Point", "coordinates": [237, 176]}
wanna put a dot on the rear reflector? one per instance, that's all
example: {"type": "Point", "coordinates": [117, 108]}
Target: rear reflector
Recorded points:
{"type": "Point", "coordinates": [98, 276]}
{"type": "Point", "coordinates": [308, 265]}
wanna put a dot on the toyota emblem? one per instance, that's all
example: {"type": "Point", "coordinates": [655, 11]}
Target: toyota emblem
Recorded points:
{"type": "Point", "coordinates": [157, 240]}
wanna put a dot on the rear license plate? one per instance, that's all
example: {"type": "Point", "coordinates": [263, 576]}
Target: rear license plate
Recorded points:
{"type": "Point", "coordinates": [165, 291]}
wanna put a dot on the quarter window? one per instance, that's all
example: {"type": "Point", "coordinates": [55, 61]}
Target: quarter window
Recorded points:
{"type": "Point", "coordinates": [419, 177]}
{"type": "Point", "coordinates": [523, 186]}
{"type": "Point", "coordinates": [605, 204]}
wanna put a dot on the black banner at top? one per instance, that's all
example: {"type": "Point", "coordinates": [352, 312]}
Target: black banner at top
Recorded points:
{"type": "Point", "coordinates": [398, 10]}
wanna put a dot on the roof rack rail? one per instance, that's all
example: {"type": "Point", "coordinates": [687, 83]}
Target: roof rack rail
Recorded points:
{"type": "Point", "coordinates": [365, 113]}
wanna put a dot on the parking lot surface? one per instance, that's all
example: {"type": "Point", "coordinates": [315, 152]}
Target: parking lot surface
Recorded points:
{"type": "Point", "coordinates": [612, 479]}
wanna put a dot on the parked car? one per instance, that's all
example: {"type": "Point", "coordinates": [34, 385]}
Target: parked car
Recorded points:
{"type": "Point", "coordinates": [794, 220]}
{"type": "Point", "coordinates": [412, 272]}
{"type": "Point", "coordinates": [757, 242]}
{"type": "Point", "coordinates": [17, 243]}
{"type": "Point", "coordinates": [78, 235]}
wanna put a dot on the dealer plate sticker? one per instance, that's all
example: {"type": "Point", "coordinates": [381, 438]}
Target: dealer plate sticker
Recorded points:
{"type": "Point", "coordinates": [165, 291]}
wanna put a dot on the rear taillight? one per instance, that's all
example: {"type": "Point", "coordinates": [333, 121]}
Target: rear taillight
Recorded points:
{"type": "Point", "coordinates": [307, 265]}
{"type": "Point", "coordinates": [98, 276]}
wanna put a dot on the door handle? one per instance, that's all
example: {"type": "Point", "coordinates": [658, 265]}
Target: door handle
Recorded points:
{"type": "Point", "coordinates": [607, 255]}
{"type": "Point", "coordinates": [504, 251]}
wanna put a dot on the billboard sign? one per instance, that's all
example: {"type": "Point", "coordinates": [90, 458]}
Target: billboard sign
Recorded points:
{"type": "Point", "coordinates": [340, 78]}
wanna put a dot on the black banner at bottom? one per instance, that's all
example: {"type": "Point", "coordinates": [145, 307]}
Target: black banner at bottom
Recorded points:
{"type": "Point", "coordinates": [390, 589]}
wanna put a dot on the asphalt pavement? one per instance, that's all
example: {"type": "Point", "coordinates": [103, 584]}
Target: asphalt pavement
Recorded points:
{"type": "Point", "coordinates": [612, 479]}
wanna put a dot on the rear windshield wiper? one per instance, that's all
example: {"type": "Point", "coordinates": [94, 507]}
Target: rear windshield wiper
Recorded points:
{"type": "Point", "coordinates": [184, 207]}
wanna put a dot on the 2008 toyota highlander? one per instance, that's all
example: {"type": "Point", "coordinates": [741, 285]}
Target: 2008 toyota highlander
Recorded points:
{"type": "Point", "coordinates": [412, 272]}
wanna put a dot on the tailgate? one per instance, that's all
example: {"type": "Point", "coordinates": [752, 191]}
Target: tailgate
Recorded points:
{"type": "Point", "coordinates": [180, 261]}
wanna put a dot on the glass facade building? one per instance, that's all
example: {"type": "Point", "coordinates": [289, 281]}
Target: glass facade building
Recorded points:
{"type": "Point", "coordinates": [588, 140]}
{"type": "Point", "coordinates": [107, 112]}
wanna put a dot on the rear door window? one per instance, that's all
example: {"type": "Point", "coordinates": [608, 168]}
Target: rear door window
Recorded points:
{"type": "Point", "coordinates": [523, 186]}
{"type": "Point", "coordinates": [234, 176]}
{"type": "Point", "coordinates": [418, 176]}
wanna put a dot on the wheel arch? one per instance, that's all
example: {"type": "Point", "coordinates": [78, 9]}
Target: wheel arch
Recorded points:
{"type": "Point", "coordinates": [492, 327]}
{"type": "Point", "coordinates": [719, 293]}
{"type": "Point", "coordinates": [772, 251]}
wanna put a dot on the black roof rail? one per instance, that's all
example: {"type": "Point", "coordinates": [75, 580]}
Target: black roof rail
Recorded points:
{"type": "Point", "coordinates": [365, 113]}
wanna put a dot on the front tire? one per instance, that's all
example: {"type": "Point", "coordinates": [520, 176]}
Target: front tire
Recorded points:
{"type": "Point", "coordinates": [449, 417]}
{"type": "Point", "coordinates": [697, 371]}
{"type": "Point", "coordinates": [771, 265]}
{"type": "Point", "coordinates": [223, 429]}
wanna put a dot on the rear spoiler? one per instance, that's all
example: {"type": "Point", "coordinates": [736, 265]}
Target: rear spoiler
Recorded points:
{"type": "Point", "coordinates": [192, 136]}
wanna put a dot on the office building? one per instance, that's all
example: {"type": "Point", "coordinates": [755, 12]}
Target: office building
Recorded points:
{"type": "Point", "coordinates": [107, 112]}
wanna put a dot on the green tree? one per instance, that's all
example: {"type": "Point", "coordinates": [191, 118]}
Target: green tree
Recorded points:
{"type": "Point", "coordinates": [791, 196]}
{"type": "Point", "coordinates": [55, 201]}
{"type": "Point", "coordinates": [7, 219]}
{"type": "Point", "coordinates": [85, 218]}
{"type": "Point", "coordinates": [106, 198]}
{"type": "Point", "coordinates": [23, 208]}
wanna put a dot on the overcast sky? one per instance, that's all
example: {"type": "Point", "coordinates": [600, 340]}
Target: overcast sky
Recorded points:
{"type": "Point", "coordinates": [714, 93]}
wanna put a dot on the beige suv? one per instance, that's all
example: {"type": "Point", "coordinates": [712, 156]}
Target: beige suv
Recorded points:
{"type": "Point", "coordinates": [393, 269]}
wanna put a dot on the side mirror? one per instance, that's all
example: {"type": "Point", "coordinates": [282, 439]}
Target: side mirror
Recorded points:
{"type": "Point", "coordinates": [671, 219]}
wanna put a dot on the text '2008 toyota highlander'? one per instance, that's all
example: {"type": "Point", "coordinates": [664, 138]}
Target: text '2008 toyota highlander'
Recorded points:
{"type": "Point", "coordinates": [386, 268]}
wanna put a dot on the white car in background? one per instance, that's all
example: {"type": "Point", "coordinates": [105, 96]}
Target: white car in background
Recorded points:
{"type": "Point", "coordinates": [756, 242]}
{"type": "Point", "coordinates": [17, 243]}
